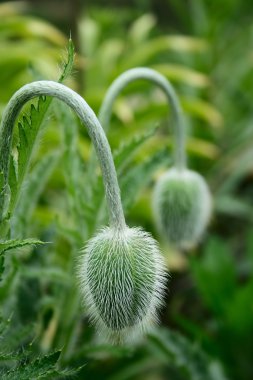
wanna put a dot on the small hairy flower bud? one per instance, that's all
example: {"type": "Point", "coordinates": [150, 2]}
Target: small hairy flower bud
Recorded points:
{"type": "Point", "coordinates": [182, 206]}
{"type": "Point", "coordinates": [122, 278]}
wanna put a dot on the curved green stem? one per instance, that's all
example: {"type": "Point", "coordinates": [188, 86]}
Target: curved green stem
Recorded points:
{"type": "Point", "coordinates": [151, 75]}
{"type": "Point", "coordinates": [88, 118]}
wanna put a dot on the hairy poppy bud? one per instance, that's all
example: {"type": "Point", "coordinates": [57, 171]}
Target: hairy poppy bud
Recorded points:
{"type": "Point", "coordinates": [182, 206]}
{"type": "Point", "coordinates": [122, 278]}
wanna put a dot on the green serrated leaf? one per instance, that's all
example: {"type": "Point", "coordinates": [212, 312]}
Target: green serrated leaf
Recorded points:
{"type": "Point", "coordinates": [139, 176]}
{"type": "Point", "coordinates": [68, 65]}
{"type": "Point", "coordinates": [17, 243]}
{"type": "Point", "coordinates": [123, 155]}
{"type": "Point", "coordinates": [14, 336]}
{"type": "Point", "coordinates": [31, 192]}
{"type": "Point", "coordinates": [29, 128]}
{"type": "Point", "coordinates": [36, 369]}
{"type": "Point", "coordinates": [73, 170]}
{"type": "Point", "coordinates": [131, 183]}
{"type": "Point", "coordinates": [42, 368]}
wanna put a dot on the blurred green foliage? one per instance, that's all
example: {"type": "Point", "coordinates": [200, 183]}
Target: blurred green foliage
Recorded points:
{"type": "Point", "coordinates": [208, 318]}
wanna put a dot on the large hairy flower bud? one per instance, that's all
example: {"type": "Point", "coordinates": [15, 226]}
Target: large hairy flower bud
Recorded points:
{"type": "Point", "coordinates": [122, 278]}
{"type": "Point", "coordinates": [182, 206]}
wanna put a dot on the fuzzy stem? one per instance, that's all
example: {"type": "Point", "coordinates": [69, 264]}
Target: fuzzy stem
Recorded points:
{"type": "Point", "coordinates": [151, 75]}
{"type": "Point", "coordinates": [88, 118]}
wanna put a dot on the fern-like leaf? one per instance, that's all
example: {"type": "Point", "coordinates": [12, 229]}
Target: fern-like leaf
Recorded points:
{"type": "Point", "coordinates": [122, 157]}
{"type": "Point", "coordinates": [73, 171]}
{"type": "Point", "coordinates": [68, 65]}
{"type": "Point", "coordinates": [6, 246]}
{"type": "Point", "coordinates": [42, 368]}
{"type": "Point", "coordinates": [28, 129]}
{"type": "Point", "coordinates": [17, 243]}
{"type": "Point", "coordinates": [125, 152]}
{"type": "Point", "coordinates": [31, 192]}
{"type": "Point", "coordinates": [139, 176]}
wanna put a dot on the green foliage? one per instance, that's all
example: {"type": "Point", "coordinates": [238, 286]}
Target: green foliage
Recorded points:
{"type": "Point", "coordinates": [54, 195]}
{"type": "Point", "coordinates": [165, 353]}
{"type": "Point", "coordinates": [26, 42]}
{"type": "Point", "coordinates": [226, 301]}
{"type": "Point", "coordinates": [15, 243]}
{"type": "Point", "coordinates": [31, 191]}
{"type": "Point", "coordinates": [140, 175]}
{"type": "Point", "coordinates": [28, 130]}
{"type": "Point", "coordinates": [189, 361]}
{"type": "Point", "coordinates": [172, 55]}
{"type": "Point", "coordinates": [76, 181]}
{"type": "Point", "coordinates": [125, 152]}
{"type": "Point", "coordinates": [42, 368]}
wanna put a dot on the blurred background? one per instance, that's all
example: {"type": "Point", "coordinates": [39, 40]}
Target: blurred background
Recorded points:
{"type": "Point", "coordinates": [206, 50]}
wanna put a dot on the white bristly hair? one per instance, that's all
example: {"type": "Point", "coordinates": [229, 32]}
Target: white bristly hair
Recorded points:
{"type": "Point", "coordinates": [122, 279]}
{"type": "Point", "coordinates": [182, 207]}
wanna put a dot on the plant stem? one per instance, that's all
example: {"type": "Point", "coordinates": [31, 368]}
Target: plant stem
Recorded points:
{"type": "Point", "coordinates": [153, 76]}
{"type": "Point", "coordinates": [88, 118]}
